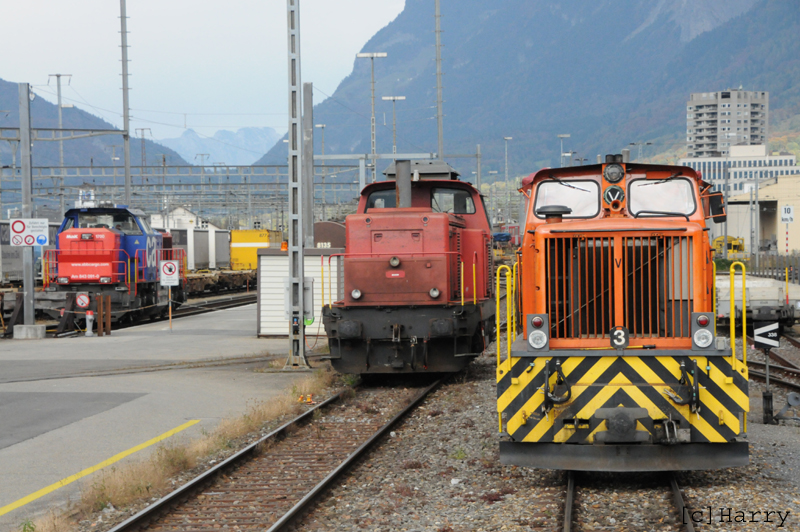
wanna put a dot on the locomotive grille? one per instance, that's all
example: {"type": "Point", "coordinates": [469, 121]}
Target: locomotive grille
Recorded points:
{"type": "Point", "coordinates": [580, 286]}
{"type": "Point", "coordinates": [656, 286]}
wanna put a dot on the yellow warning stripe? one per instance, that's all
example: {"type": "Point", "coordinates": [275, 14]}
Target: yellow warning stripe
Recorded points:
{"type": "Point", "coordinates": [88, 471]}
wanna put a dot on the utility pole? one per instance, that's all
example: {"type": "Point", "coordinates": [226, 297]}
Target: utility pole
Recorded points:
{"type": "Point", "coordinates": [492, 199]}
{"type": "Point", "coordinates": [478, 175]}
{"type": "Point", "coordinates": [394, 99]}
{"type": "Point", "coordinates": [561, 153]}
{"type": "Point", "coordinates": [27, 198]}
{"type": "Point", "coordinates": [60, 133]}
{"type": "Point", "coordinates": [324, 170]}
{"type": "Point", "coordinates": [727, 184]}
{"type": "Point", "coordinates": [126, 119]}
{"type": "Point", "coordinates": [140, 131]}
{"type": "Point", "coordinates": [640, 144]}
{"type": "Point", "coordinates": [439, 99]}
{"type": "Point", "coordinates": [203, 157]}
{"type": "Point", "coordinates": [296, 311]}
{"type": "Point", "coordinates": [371, 57]}
{"type": "Point", "coordinates": [508, 192]}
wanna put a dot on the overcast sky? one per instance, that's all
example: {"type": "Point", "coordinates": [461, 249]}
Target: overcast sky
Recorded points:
{"type": "Point", "coordinates": [221, 63]}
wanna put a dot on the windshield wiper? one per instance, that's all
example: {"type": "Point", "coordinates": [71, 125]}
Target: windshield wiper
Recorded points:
{"type": "Point", "coordinates": [562, 183]}
{"type": "Point", "coordinates": [670, 178]}
{"type": "Point", "coordinates": [662, 213]}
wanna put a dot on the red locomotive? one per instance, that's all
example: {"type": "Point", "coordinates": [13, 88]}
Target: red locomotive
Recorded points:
{"type": "Point", "coordinates": [113, 251]}
{"type": "Point", "coordinates": [418, 291]}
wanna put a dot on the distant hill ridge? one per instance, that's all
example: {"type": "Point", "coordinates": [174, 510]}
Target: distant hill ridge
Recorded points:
{"type": "Point", "coordinates": [608, 72]}
{"type": "Point", "coordinates": [79, 152]}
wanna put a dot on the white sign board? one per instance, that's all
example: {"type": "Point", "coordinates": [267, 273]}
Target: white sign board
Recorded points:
{"type": "Point", "coordinates": [170, 273]}
{"type": "Point", "coordinates": [787, 214]}
{"type": "Point", "coordinates": [29, 232]}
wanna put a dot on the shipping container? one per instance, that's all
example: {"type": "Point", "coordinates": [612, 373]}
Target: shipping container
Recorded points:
{"type": "Point", "coordinates": [245, 244]}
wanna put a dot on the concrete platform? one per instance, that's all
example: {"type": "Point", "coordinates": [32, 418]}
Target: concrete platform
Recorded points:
{"type": "Point", "coordinates": [69, 404]}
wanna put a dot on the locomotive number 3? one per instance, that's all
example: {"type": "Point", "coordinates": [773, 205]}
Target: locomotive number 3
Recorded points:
{"type": "Point", "coordinates": [619, 337]}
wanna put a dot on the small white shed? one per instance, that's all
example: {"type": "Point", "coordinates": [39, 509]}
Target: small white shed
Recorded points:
{"type": "Point", "coordinates": [273, 268]}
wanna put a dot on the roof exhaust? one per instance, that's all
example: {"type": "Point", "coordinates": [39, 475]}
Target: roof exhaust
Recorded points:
{"type": "Point", "coordinates": [403, 183]}
{"type": "Point", "coordinates": [626, 155]}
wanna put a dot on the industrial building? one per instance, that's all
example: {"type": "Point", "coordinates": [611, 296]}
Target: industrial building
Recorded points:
{"type": "Point", "coordinates": [747, 165]}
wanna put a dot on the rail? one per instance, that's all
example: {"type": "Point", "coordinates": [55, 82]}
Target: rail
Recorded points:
{"type": "Point", "coordinates": [149, 515]}
{"type": "Point", "coordinates": [733, 312]}
{"type": "Point", "coordinates": [669, 478]}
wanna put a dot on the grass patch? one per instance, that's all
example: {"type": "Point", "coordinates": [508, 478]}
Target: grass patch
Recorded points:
{"type": "Point", "coordinates": [121, 487]}
{"type": "Point", "coordinates": [458, 454]}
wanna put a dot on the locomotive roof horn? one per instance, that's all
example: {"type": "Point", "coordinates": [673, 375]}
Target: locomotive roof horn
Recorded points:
{"type": "Point", "coordinates": [553, 213]}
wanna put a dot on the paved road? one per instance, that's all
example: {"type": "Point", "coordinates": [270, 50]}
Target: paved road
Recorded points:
{"type": "Point", "coordinates": [55, 420]}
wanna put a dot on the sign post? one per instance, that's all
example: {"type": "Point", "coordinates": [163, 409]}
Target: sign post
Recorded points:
{"type": "Point", "coordinates": [169, 274]}
{"type": "Point", "coordinates": [787, 217]}
{"type": "Point", "coordinates": [766, 335]}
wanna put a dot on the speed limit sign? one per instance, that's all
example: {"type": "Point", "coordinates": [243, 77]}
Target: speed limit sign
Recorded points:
{"type": "Point", "coordinates": [787, 214]}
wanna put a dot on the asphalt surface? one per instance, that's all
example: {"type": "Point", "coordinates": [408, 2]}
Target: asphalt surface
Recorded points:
{"type": "Point", "coordinates": [69, 404]}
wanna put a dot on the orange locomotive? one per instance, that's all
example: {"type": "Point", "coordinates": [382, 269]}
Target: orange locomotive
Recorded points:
{"type": "Point", "coordinates": [618, 366]}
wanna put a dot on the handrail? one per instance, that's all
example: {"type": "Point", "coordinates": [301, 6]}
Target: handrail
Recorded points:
{"type": "Point", "coordinates": [474, 282]}
{"type": "Point", "coordinates": [462, 283]}
{"type": "Point", "coordinates": [322, 261]}
{"type": "Point", "coordinates": [514, 273]}
{"type": "Point", "coordinates": [714, 292]}
{"type": "Point", "coordinates": [509, 284]}
{"type": "Point", "coordinates": [345, 255]}
{"type": "Point", "coordinates": [733, 313]}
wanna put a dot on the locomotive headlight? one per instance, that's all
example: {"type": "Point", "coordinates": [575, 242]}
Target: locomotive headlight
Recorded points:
{"type": "Point", "coordinates": [394, 262]}
{"type": "Point", "coordinates": [434, 293]}
{"type": "Point", "coordinates": [356, 294]}
{"type": "Point", "coordinates": [105, 279]}
{"type": "Point", "coordinates": [63, 280]}
{"type": "Point", "coordinates": [703, 338]}
{"type": "Point", "coordinates": [537, 339]}
{"type": "Point", "coordinates": [614, 173]}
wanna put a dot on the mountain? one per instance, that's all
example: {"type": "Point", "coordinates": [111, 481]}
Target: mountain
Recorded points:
{"type": "Point", "coordinates": [95, 151]}
{"type": "Point", "coordinates": [238, 148]}
{"type": "Point", "coordinates": [608, 72]}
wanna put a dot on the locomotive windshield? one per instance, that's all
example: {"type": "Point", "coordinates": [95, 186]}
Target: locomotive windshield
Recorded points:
{"type": "Point", "coordinates": [382, 199]}
{"type": "Point", "coordinates": [583, 197]}
{"type": "Point", "coordinates": [123, 222]}
{"type": "Point", "coordinates": [647, 197]}
{"type": "Point", "coordinates": [452, 200]}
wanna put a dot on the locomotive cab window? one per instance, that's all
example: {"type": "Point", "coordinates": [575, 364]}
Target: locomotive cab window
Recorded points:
{"type": "Point", "coordinates": [452, 200]}
{"type": "Point", "coordinates": [583, 197]}
{"type": "Point", "coordinates": [653, 197]}
{"type": "Point", "coordinates": [382, 199]}
{"type": "Point", "coordinates": [122, 222]}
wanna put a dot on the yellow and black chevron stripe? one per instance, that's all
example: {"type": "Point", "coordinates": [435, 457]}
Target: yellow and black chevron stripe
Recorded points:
{"type": "Point", "coordinates": [628, 381]}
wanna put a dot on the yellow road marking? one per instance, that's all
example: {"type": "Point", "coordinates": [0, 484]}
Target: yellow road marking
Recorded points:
{"type": "Point", "coordinates": [88, 471]}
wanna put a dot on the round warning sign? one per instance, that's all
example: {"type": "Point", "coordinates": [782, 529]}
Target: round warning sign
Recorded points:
{"type": "Point", "coordinates": [82, 300]}
{"type": "Point", "coordinates": [168, 268]}
{"type": "Point", "coordinates": [17, 226]}
{"type": "Point", "coordinates": [29, 240]}
{"type": "Point", "coordinates": [16, 240]}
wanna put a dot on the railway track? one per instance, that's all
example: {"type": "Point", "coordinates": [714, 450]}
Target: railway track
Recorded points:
{"type": "Point", "coordinates": [274, 481]}
{"type": "Point", "coordinates": [785, 373]}
{"type": "Point", "coordinates": [682, 519]}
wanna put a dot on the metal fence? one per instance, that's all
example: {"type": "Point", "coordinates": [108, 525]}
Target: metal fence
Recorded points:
{"type": "Point", "coordinates": [779, 267]}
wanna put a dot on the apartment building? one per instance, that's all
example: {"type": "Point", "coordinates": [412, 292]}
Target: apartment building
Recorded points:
{"type": "Point", "coordinates": [716, 121]}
